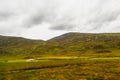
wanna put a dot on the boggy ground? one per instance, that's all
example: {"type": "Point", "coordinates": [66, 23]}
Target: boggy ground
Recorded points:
{"type": "Point", "coordinates": [61, 68]}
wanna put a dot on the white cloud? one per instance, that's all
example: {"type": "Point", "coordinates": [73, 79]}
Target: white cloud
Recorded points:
{"type": "Point", "coordinates": [30, 18]}
{"type": "Point", "coordinates": [38, 32]}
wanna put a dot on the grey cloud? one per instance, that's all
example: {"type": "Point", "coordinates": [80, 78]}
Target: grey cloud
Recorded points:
{"type": "Point", "coordinates": [61, 15]}
{"type": "Point", "coordinates": [67, 23]}
{"type": "Point", "coordinates": [5, 15]}
{"type": "Point", "coordinates": [103, 14]}
{"type": "Point", "coordinates": [63, 27]}
{"type": "Point", "coordinates": [64, 23]}
{"type": "Point", "coordinates": [39, 17]}
{"type": "Point", "coordinates": [34, 20]}
{"type": "Point", "coordinates": [106, 18]}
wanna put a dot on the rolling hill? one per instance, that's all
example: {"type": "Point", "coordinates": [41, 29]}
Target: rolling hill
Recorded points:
{"type": "Point", "coordinates": [16, 41]}
{"type": "Point", "coordinates": [71, 56]}
{"type": "Point", "coordinates": [66, 44]}
{"type": "Point", "coordinates": [17, 46]}
{"type": "Point", "coordinates": [84, 43]}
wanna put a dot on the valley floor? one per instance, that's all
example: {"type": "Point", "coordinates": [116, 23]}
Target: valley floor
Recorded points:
{"type": "Point", "coordinates": [61, 68]}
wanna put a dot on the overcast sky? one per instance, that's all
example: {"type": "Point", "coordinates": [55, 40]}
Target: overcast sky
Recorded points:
{"type": "Point", "coordinates": [44, 19]}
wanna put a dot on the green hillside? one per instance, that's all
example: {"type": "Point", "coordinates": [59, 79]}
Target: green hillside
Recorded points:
{"type": "Point", "coordinates": [71, 56]}
{"type": "Point", "coordinates": [81, 43]}
{"type": "Point", "coordinates": [17, 46]}
{"type": "Point", "coordinates": [72, 44]}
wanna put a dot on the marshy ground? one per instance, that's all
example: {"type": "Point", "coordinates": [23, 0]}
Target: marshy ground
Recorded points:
{"type": "Point", "coordinates": [61, 68]}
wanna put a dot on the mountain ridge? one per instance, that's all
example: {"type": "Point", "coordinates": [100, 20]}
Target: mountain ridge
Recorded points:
{"type": "Point", "coordinates": [66, 44]}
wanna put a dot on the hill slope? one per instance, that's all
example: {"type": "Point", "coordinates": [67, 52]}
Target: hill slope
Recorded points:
{"type": "Point", "coordinates": [16, 41]}
{"type": "Point", "coordinates": [66, 44]}
{"type": "Point", "coordinates": [17, 46]}
{"type": "Point", "coordinates": [71, 56]}
{"type": "Point", "coordinates": [72, 43]}
{"type": "Point", "coordinates": [87, 37]}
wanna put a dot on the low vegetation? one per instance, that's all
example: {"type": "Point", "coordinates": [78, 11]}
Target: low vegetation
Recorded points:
{"type": "Point", "coordinates": [62, 69]}
{"type": "Point", "coordinates": [72, 56]}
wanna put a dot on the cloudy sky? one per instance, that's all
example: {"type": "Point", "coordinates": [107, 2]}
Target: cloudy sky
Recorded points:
{"type": "Point", "coordinates": [44, 19]}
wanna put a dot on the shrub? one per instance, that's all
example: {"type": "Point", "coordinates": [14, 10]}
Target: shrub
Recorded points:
{"type": "Point", "coordinates": [103, 51]}
{"type": "Point", "coordinates": [96, 78]}
{"type": "Point", "coordinates": [98, 47]}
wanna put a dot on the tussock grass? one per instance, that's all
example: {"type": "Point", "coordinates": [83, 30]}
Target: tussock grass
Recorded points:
{"type": "Point", "coordinates": [65, 68]}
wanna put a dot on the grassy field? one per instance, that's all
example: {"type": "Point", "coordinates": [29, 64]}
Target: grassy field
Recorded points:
{"type": "Point", "coordinates": [71, 56]}
{"type": "Point", "coordinates": [61, 68]}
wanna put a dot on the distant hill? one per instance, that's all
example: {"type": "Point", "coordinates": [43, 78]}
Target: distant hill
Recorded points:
{"type": "Point", "coordinates": [66, 44]}
{"type": "Point", "coordinates": [87, 37]}
{"type": "Point", "coordinates": [111, 40]}
{"type": "Point", "coordinates": [16, 41]}
{"type": "Point", "coordinates": [16, 46]}
{"type": "Point", "coordinates": [84, 42]}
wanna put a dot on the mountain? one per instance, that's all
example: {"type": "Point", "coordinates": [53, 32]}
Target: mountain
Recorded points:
{"type": "Point", "coordinates": [87, 37]}
{"type": "Point", "coordinates": [6, 41]}
{"type": "Point", "coordinates": [66, 44]}
{"type": "Point", "coordinates": [16, 46]}
{"type": "Point", "coordinates": [78, 43]}
{"type": "Point", "coordinates": [111, 40]}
